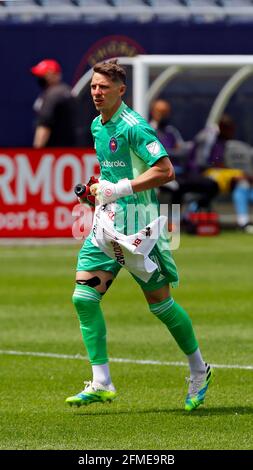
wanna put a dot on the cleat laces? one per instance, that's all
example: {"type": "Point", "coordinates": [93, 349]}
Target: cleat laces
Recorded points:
{"type": "Point", "coordinates": [195, 384]}
{"type": "Point", "coordinates": [93, 387]}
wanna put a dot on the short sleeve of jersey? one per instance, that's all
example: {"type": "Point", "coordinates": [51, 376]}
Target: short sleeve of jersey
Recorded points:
{"type": "Point", "coordinates": [145, 143]}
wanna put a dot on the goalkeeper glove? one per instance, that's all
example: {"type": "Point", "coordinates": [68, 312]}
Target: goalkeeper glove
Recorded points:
{"type": "Point", "coordinates": [107, 192]}
{"type": "Point", "coordinates": [83, 193]}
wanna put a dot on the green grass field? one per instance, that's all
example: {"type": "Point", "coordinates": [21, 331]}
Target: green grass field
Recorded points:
{"type": "Point", "coordinates": [37, 316]}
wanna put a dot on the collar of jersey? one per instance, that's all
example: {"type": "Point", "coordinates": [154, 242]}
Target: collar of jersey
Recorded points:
{"type": "Point", "coordinates": [116, 115]}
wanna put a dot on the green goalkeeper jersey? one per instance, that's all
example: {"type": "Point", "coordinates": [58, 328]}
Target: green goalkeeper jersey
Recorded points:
{"type": "Point", "coordinates": [126, 147]}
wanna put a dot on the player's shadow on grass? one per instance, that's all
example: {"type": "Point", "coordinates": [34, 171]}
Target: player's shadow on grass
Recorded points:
{"type": "Point", "coordinates": [222, 411]}
{"type": "Point", "coordinates": [213, 411]}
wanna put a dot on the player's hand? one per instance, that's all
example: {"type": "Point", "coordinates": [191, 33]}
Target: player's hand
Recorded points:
{"type": "Point", "coordinates": [83, 192]}
{"type": "Point", "coordinates": [107, 192]}
{"type": "Point", "coordinates": [94, 189]}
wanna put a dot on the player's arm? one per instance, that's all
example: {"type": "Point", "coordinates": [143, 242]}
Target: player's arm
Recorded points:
{"type": "Point", "coordinates": [41, 137]}
{"type": "Point", "coordinates": [144, 142]}
{"type": "Point", "coordinates": [160, 173]}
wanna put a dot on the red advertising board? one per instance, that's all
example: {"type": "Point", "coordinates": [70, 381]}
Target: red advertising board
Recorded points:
{"type": "Point", "coordinates": [37, 189]}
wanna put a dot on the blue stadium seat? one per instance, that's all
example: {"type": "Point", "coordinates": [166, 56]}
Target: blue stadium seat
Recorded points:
{"type": "Point", "coordinates": [21, 10]}
{"type": "Point", "coordinates": [237, 3]}
{"type": "Point", "coordinates": [95, 3]}
{"type": "Point", "coordinates": [129, 10]}
{"type": "Point", "coordinates": [125, 10]}
{"type": "Point", "coordinates": [94, 11]}
{"type": "Point", "coordinates": [58, 3]}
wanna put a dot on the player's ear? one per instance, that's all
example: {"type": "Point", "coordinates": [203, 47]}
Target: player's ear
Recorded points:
{"type": "Point", "coordinates": [122, 89]}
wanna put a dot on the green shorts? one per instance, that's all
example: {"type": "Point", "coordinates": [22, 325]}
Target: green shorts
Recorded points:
{"type": "Point", "coordinates": [91, 258]}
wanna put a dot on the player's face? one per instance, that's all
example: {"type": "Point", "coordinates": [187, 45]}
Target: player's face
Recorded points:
{"type": "Point", "coordinates": [105, 93]}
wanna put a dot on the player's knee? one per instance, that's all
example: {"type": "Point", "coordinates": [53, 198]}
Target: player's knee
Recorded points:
{"type": "Point", "coordinates": [100, 281]}
{"type": "Point", "coordinates": [163, 309]}
{"type": "Point", "coordinates": [84, 295]}
{"type": "Point", "coordinates": [92, 282]}
{"type": "Point", "coordinates": [158, 295]}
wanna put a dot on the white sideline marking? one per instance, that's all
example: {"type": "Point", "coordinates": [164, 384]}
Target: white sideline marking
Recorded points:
{"type": "Point", "coordinates": [114, 359]}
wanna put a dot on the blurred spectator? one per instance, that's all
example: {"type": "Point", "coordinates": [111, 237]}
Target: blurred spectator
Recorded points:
{"type": "Point", "coordinates": [210, 142]}
{"type": "Point", "coordinates": [55, 108]}
{"type": "Point", "coordinates": [242, 197]}
{"type": "Point", "coordinates": [168, 135]}
{"type": "Point", "coordinates": [213, 147]}
{"type": "Point", "coordinates": [190, 181]}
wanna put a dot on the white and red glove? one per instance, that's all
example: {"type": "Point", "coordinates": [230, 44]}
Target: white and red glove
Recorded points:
{"type": "Point", "coordinates": [83, 192]}
{"type": "Point", "coordinates": [107, 192]}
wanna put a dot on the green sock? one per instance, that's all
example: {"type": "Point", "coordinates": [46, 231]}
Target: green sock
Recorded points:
{"type": "Point", "coordinates": [92, 324]}
{"type": "Point", "coordinates": [178, 323]}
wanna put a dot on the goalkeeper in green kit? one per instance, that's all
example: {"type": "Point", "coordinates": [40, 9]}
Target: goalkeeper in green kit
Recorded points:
{"type": "Point", "coordinates": [133, 162]}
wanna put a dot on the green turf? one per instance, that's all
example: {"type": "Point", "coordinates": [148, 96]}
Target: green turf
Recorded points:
{"type": "Point", "coordinates": [37, 315]}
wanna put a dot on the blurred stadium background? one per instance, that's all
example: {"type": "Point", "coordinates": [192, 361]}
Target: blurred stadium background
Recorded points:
{"type": "Point", "coordinates": [78, 33]}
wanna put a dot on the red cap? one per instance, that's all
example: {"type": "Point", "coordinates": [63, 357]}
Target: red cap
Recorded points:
{"type": "Point", "coordinates": [46, 65]}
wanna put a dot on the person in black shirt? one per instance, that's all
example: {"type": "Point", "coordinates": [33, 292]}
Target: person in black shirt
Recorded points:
{"type": "Point", "coordinates": [55, 108]}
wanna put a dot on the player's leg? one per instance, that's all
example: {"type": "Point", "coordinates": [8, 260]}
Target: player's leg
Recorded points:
{"type": "Point", "coordinates": [95, 273]}
{"type": "Point", "coordinates": [178, 322]}
{"type": "Point", "coordinates": [241, 198]}
{"type": "Point", "coordinates": [90, 286]}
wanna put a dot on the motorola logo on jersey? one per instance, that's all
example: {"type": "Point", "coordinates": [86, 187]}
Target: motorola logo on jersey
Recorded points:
{"type": "Point", "coordinates": [113, 144]}
{"type": "Point", "coordinates": [116, 164]}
